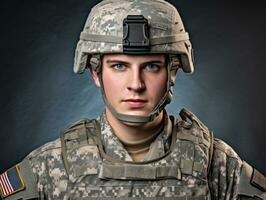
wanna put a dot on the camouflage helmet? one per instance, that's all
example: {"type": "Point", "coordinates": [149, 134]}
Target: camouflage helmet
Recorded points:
{"type": "Point", "coordinates": [107, 31]}
{"type": "Point", "coordinates": [134, 27]}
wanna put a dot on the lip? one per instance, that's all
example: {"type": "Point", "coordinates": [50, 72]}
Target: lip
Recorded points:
{"type": "Point", "coordinates": [135, 100]}
{"type": "Point", "coordinates": [135, 103]}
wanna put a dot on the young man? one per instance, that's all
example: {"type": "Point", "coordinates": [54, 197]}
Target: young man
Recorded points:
{"type": "Point", "coordinates": [134, 149]}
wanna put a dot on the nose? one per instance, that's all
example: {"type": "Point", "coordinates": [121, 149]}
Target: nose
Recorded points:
{"type": "Point", "coordinates": [136, 82]}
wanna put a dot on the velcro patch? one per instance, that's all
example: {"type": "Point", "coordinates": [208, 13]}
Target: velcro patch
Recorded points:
{"type": "Point", "coordinates": [258, 180]}
{"type": "Point", "coordinates": [11, 182]}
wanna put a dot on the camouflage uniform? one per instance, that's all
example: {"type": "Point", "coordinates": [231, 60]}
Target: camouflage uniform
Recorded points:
{"type": "Point", "coordinates": [74, 167]}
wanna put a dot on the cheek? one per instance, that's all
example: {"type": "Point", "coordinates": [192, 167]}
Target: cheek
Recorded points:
{"type": "Point", "coordinates": [158, 85]}
{"type": "Point", "coordinates": [111, 86]}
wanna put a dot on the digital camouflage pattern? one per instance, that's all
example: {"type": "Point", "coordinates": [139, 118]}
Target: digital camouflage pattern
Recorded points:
{"type": "Point", "coordinates": [85, 171]}
{"type": "Point", "coordinates": [103, 30]}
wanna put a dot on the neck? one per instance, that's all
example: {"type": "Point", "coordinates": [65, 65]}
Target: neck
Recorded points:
{"type": "Point", "coordinates": [133, 132]}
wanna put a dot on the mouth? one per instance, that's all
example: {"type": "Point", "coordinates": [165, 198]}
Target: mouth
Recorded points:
{"type": "Point", "coordinates": [135, 103]}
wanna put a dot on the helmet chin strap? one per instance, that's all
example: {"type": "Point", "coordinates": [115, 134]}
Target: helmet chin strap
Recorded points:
{"type": "Point", "coordinates": [166, 99]}
{"type": "Point", "coordinates": [136, 118]}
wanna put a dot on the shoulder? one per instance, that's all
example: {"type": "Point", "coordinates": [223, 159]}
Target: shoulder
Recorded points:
{"type": "Point", "coordinates": [219, 149]}
{"type": "Point", "coordinates": [43, 166]}
{"type": "Point", "coordinates": [225, 163]}
{"type": "Point", "coordinates": [231, 176]}
{"type": "Point", "coordinates": [48, 160]}
{"type": "Point", "coordinates": [51, 148]}
{"type": "Point", "coordinates": [228, 175]}
{"type": "Point", "coordinates": [45, 159]}
{"type": "Point", "coordinates": [21, 180]}
{"type": "Point", "coordinates": [222, 152]}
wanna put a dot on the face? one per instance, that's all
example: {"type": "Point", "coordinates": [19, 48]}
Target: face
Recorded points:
{"type": "Point", "coordinates": [133, 84]}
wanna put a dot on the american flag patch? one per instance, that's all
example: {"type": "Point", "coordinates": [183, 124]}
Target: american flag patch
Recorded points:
{"type": "Point", "coordinates": [11, 181]}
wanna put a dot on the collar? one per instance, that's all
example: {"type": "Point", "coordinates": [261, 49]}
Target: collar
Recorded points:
{"type": "Point", "coordinates": [114, 147]}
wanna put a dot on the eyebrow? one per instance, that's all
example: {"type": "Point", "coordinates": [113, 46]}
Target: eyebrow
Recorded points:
{"type": "Point", "coordinates": [117, 61]}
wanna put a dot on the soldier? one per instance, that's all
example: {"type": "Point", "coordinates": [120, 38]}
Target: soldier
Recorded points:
{"type": "Point", "coordinates": [133, 49]}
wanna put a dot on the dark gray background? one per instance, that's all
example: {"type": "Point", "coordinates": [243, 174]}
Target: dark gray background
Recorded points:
{"type": "Point", "coordinates": [40, 95]}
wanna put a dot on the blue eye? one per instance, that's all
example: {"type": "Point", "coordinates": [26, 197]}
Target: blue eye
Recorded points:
{"type": "Point", "coordinates": [152, 67]}
{"type": "Point", "coordinates": [119, 66]}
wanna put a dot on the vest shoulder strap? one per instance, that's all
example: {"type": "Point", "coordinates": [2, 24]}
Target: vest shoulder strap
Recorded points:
{"type": "Point", "coordinates": [84, 131]}
{"type": "Point", "coordinates": [194, 130]}
{"type": "Point", "coordinates": [81, 134]}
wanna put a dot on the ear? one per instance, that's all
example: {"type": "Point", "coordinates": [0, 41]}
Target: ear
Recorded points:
{"type": "Point", "coordinates": [96, 78]}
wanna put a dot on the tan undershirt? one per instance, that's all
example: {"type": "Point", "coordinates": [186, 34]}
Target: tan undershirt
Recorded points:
{"type": "Point", "coordinates": [138, 149]}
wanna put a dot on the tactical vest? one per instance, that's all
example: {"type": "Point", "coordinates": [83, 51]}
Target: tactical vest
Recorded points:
{"type": "Point", "coordinates": [181, 173]}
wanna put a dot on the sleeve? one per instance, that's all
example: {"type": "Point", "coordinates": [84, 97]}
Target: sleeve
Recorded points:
{"type": "Point", "coordinates": [231, 178]}
{"type": "Point", "coordinates": [18, 182]}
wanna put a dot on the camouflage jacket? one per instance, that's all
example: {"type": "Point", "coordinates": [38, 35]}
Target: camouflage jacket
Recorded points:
{"type": "Point", "coordinates": [71, 167]}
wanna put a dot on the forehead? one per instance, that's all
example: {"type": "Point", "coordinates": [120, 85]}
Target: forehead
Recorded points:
{"type": "Point", "coordinates": [134, 58]}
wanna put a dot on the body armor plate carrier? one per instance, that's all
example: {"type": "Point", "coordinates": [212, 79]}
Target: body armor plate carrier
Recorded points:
{"type": "Point", "coordinates": [181, 173]}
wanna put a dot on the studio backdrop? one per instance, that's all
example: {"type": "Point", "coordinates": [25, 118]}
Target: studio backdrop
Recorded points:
{"type": "Point", "coordinates": [41, 96]}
